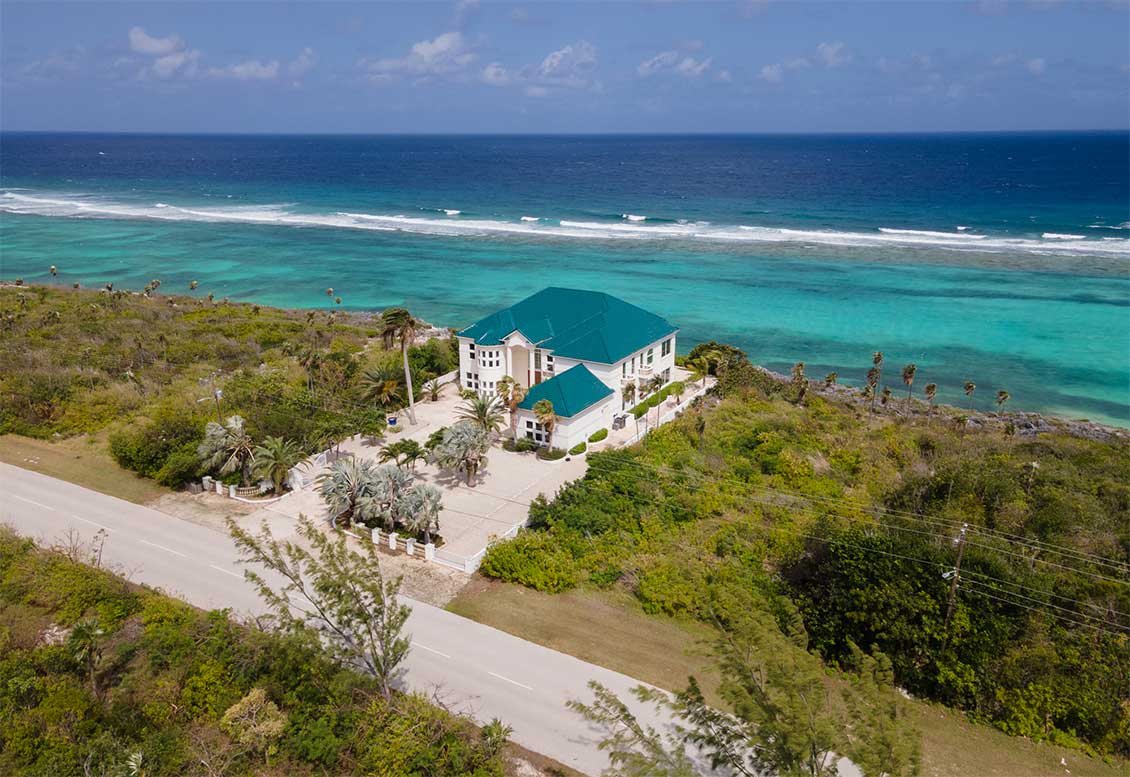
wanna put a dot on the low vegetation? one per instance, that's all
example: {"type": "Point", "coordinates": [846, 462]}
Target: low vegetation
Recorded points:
{"type": "Point", "coordinates": [849, 525]}
{"type": "Point", "coordinates": [99, 677]}
{"type": "Point", "coordinates": [156, 370]}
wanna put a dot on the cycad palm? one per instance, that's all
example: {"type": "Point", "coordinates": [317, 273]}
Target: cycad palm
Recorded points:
{"type": "Point", "coordinates": [931, 391]}
{"type": "Point", "coordinates": [274, 458]}
{"type": "Point", "coordinates": [628, 394]}
{"type": "Point", "coordinates": [397, 324]}
{"type": "Point", "coordinates": [228, 447]}
{"type": "Point", "coordinates": [483, 411]}
{"type": "Point", "coordinates": [423, 507]}
{"type": "Point", "coordinates": [380, 386]}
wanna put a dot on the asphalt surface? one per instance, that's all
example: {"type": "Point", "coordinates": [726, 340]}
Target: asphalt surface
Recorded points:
{"type": "Point", "coordinates": [475, 669]}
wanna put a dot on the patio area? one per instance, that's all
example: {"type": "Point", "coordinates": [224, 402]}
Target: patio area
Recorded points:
{"type": "Point", "coordinates": [496, 502]}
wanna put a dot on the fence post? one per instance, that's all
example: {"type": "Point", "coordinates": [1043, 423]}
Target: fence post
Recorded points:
{"type": "Point", "coordinates": [207, 483]}
{"type": "Point", "coordinates": [430, 552]}
{"type": "Point", "coordinates": [410, 546]}
{"type": "Point", "coordinates": [377, 536]}
{"type": "Point", "coordinates": [469, 565]}
{"type": "Point", "coordinates": [392, 541]}
{"type": "Point", "coordinates": [231, 491]}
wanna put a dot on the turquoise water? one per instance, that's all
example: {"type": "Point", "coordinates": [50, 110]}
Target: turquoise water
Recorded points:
{"type": "Point", "coordinates": [1029, 297]}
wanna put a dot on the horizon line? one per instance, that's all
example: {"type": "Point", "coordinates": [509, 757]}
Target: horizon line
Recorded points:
{"type": "Point", "coordinates": [626, 133]}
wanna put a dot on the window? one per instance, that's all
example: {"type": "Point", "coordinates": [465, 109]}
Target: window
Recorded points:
{"type": "Point", "coordinates": [529, 424]}
{"type": "Point", "coordinates": [624, 369]}
{"type": "Point", "coordinates": [666, 349]}
{"type": "Point", "coordinates": [470, 376]}
{"type": "Point", "coordinates": [650, 355]}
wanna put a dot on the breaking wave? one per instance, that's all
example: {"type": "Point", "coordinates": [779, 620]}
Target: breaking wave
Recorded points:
{"type": "Point", "coordinates": [453, 224]}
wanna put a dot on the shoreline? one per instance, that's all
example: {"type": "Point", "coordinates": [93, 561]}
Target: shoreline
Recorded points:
{"type": "Point", "coordinates": [1025, 423]}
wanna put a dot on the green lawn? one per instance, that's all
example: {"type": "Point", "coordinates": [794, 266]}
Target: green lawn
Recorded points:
{"type": "Point", "coordinates": [608, 629]}
{"type": "Point", "coordinates": [82, 460]}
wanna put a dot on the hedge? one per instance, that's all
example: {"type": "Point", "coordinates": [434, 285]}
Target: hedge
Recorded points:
{"type": "Point", "coordinates": [598, 435]}
{"type": "Point", "coordinates": [577, 449]}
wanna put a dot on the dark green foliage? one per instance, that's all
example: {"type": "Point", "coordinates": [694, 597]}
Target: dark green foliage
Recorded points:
{"type": "Point", "coordinates": [167, 672]}
{"type": "Point", "coordinates": [550, 454]}
{"type": "Point", "coordinates": [598, 435]}
{"type": "Point", "coordinates": [788, 499]}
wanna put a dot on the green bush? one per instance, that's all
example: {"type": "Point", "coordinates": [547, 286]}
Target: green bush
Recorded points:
{"type": "Point", "coordinates": [533, 559]}
{"type": "Point", "coordinates": [550, 454]}
{"type": "Point", "coordinates": [598, 435]}
{"type": "Point", "coordinates": [525, 445]}
{"type": "Point", "coordinates": [180, 467]}
{"type": "Point", "coordinates": [145, 446]}
{"type": "Point", "coordinates": [577, 449]}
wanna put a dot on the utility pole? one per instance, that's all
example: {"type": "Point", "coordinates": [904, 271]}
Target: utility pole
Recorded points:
{"type": "Point", "coordinates": [953, 576]}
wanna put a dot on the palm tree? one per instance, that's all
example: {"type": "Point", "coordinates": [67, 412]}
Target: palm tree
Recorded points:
{"type": "Point", "coordinates": [54, 271]}
{"type": "Point", "coordinates": [628, 394]}
{"type": "Point", "coordinates": [484, 411]}
{"type": "Point", "coordinates": [931, 391]}
{"type": "Point", "coordinates": [678, 388]}
{"type": "Point", "coordinates": [512, 393]}
{"type": "Point", "coordinates": [84, 645]}
{"type": "Point", "coordinates": [653, 387]}
{"type": "Point", "coordinates": [344, 486]}
{"type": "Point", "coordinates": [830, 379]}
{"type": "Point", "coordinates": [908, 381]}
{"type": "Point", "coordinates": [398, 324]}
{"type": "Point", "coordinates": [229, 447]}
{"type": "Point", "coordinates": [700, 368]}
{"type": "Point", "coordinates": [869, 395]}
{"type": "Point", "coordinates": [1002, 397]}
{"type": "Point", "coordinates": [970, 387]}
{"type": "Point", "coordinates": [274, 458]}
{"type": "Point", "coordinates": [464, 448]}
{"type": "Point", "coordinates": [800, 382]}
{"type": "Point", "coordinates": [380, 385]}
{"type": "Point", "coordinates": [192, 285]}
{"type": "Point", "coordinates": [403, 453]}
{"type": "Point", "coordinates": [545, 415]}
{"type": "Point", "coordinates": [337, 300]}
{"type": "Point", "coordinates": [424, 505]}
{"type": "Point", "coordinates": [432, 389]}
{"type": "Point", "coordinates": [311, 359]}
{"type": "Point", "coordinates": [873, 385]}
{"type": "Point", "coordinates": [885, 396]}
{"type": "Point", "coordinates": [330, 291]}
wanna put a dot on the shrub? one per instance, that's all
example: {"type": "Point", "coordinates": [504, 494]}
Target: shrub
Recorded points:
{"type": "Point", "coordinates": [525, 445]}
{"type": "Point", "coordinates": [533, 559]}
{"type": "Point", "coordinates": [509, 445]}
{"type": "Point", "coordinates": [550, 454]}
{"type": "Point", "coordinates": [577, 449]}
{"type": "Point", "coordinates": [598, 435]}
{"type": "Point", "coordinates": [182, 466]}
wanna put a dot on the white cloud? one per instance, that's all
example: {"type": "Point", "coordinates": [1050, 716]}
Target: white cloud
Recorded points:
{"type": "Point", "coordinates": [569, 66]}
{"type": "Point", "coordinates": [446, 54]}
{"type": "Point", "coordinates": [251, 70]}
{"type": "Point", "coordinates": [799, 63]}
{"type": "Point", "coordinates": [833, 54]}
{"type": "Point", "coordinates": [179, 62]}
{"type": "Point", "coordinates": [771, 73]}
{"type": "Point", "coordinates": [143, 43]}
{"type": "Point", "coordinates": [496, 75]}
{"type": "Point", "coordinates": [173, 58]}
{"type": "Point", "coordinates": [1036, 66]}
{"type": "Point", "coordinates": [303, 63]}
{"type": "Point", "coordinates": [673, 62]}
{"type": "Point", "coordinates": [464, 10]}
{"type": "Point", "coordinates": [724, 76]}
{"type": "Point", "coordinates": [57, 64]}
{"type": "Point", "coordinates": [1004, 59]}
{"type": "Point", "coordinates": [536, 91]}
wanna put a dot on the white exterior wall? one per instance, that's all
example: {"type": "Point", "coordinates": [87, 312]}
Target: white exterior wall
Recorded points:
{"type": "Point", "coordinates": [570, 431]}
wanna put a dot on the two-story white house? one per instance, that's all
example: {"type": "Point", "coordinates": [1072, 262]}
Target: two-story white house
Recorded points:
{"type": "Point", "coordinates": [576, 348]}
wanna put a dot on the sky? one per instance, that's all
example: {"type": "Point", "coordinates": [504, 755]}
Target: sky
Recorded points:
{"type": "Point", "coordinates": [475, 66]}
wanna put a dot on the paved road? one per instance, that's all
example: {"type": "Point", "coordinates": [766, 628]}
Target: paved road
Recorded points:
{"type": "Point", "coordinates": [477, 669]}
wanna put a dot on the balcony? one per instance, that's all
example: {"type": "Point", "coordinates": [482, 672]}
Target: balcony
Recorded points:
{"type": "Point", "coordinates": [646, 372]}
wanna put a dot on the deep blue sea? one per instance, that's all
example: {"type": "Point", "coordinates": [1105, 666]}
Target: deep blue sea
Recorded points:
{"type": "Point", "coordinates": [1002, 259]}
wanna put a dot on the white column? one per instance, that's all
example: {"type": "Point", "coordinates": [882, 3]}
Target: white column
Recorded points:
{"type": "Point", "coordinates": [410, 546]}
{"type": "Point", "coordinates": [430, 552]}
{"type": "Point", "coordinates": [392, 541]}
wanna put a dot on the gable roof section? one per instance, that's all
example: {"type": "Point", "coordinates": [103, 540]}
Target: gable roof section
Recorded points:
{"type": "Point", "coordinates": [574, 323]}
{"type": "Point", "coordinates": [571, 392]}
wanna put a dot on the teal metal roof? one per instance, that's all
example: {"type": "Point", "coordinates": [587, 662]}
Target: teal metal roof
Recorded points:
{"type": "Point", "coordinates": [570, 392]}
{"type": "Point", "coordinates": [576, 324]}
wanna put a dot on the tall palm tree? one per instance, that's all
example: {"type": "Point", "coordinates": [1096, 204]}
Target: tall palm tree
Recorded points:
{"type": "Point", "coordinates": [398, 324]}
{"type": "Point", "coordinates": [545, 415]}
{"type": "Point", "coordinates": [908, 381]}
{"type": "Point", "coordinates": [512, 393]}
{"type": "Point", "coordinates": [654, 386]}
{"type": "Point", "coordinates": [1002, 397]}
{"type": "Point", "coordinates": [379, 385]}
{"type": "Point", "coordinates": [628, 394]}
{"type": "Point", "coordinates": [678, 388]}
{"type": "Point", "coordinates": [274, 458]}
{"type": "Point", "coordinates": [229, 447]}
{"type": "Point", "coordinates": [970, 387]}
{"type": "Point", "coordinates": [830, 379]}
{"type": "Point", "coordinates": [931, 391]}
{"type": "Point", "coordinates": [885, 396]}
{"type": "Point", "coordinates": [486, 412]}
{"type": "Point", "coordinates": [872, 386]}
{"type": "Point", "coordinates": [800, 382]}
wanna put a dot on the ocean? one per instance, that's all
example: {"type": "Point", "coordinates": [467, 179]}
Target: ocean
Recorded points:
{"type": "Point", "coordinates": [1002, 259]}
